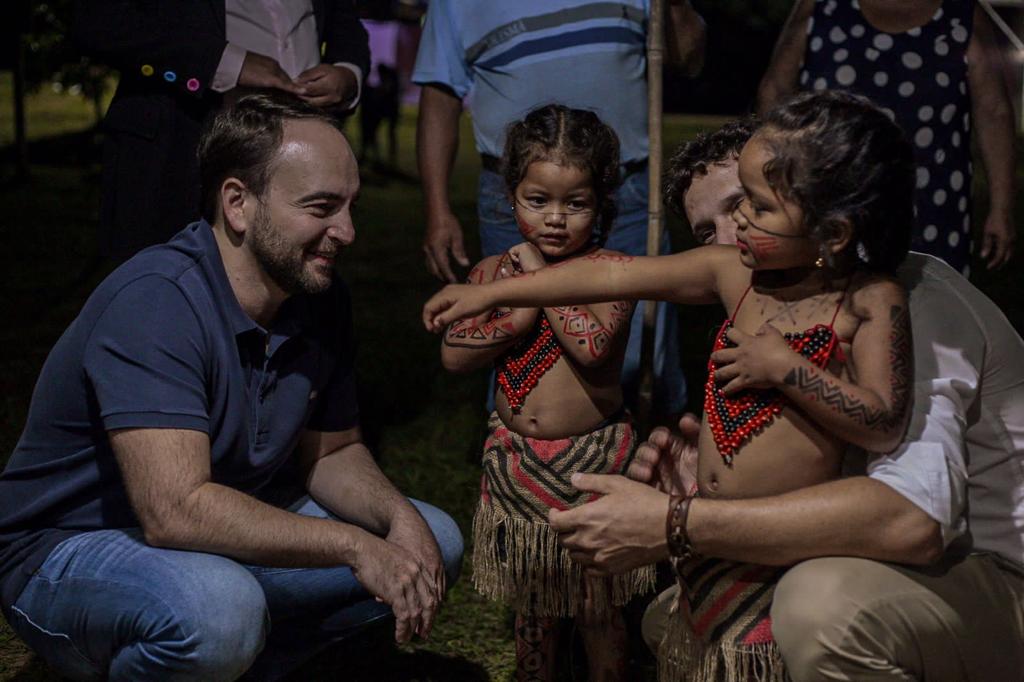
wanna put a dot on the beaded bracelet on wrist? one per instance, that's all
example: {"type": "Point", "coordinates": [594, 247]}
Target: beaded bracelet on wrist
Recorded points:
{"type": "Point", "coordinates": [675, 527]}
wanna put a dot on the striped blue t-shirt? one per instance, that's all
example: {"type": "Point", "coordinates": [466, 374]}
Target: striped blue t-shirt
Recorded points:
{"type": "Point", "coordinates": [510, 57]}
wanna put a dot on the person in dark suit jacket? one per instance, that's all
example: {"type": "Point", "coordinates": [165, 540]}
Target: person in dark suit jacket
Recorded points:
{"type": "Point", "coordinates": [172, 55]}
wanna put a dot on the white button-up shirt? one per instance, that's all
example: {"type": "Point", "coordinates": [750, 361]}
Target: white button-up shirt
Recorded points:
{"type": "Point", "coordinates": [284, 30]}
{"type": "Point", "coordinates": [963, 459]}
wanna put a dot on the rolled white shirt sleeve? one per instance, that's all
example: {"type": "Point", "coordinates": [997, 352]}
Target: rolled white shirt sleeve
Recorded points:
{"type": "Point", "coordinates": [930, 467]}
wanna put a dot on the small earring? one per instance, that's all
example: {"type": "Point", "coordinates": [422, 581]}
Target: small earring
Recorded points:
{"type": "Point", "coordinates": [820, 262]}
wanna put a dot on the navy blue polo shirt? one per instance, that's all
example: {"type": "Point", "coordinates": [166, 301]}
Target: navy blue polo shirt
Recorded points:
{"type": "Point", "coordinates": [163, 343]}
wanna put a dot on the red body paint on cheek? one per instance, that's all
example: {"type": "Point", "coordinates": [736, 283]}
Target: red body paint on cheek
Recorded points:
{"type": "Point", "coordinates": [763, 246]}
{"type": "Point", "coordinates": [525, 228]}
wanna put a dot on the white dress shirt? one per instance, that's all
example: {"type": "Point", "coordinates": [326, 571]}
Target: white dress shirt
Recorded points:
{"type": "Point", "coordinates": [963, 458]}
{"type": "Point", "coordinates": [284, 30]}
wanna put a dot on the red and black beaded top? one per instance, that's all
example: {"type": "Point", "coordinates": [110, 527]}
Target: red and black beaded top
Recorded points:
{"type": "Point", "coordinates": [525, 363]}
{"type": "Point", "coordinates": [734, 420]}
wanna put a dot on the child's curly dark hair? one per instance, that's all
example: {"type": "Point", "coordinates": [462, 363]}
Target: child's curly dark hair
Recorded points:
{"type": "Point", "coordinates": [841, 158]}
{"type": "Point", "coordinates": [571, 137]}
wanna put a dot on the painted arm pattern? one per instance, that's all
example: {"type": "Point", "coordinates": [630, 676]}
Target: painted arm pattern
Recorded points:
{"type": "Point", "coordinates": [596, 256]}
{"type": "Point", "coordinates": [585, 336]}
{"type": "Point", "coordinates": [825, 389]}
{"type": "Point", "coordinates": [497, 328]}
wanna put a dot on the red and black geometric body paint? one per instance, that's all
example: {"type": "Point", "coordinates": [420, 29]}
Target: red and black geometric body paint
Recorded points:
{"type": "Point", "coordinates": [582, 326]}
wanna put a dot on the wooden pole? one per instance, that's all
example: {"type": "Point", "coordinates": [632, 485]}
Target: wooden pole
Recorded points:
{"type": "Point", "coordinates": [655, 218]}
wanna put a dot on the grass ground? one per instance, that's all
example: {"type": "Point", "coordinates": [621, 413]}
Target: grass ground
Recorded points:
{"type": "Point", "coordinates": [425, 425]}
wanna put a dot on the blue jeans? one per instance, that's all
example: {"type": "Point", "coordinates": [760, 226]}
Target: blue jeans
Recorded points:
{"type": "Point", "coordinates": [105, 604]}
{"type": "Point", "coordinates": [498, 233]}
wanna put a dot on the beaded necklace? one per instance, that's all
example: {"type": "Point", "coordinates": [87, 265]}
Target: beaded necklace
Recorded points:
{"type": "Point", "coordinates": [735, 420]}
{"type": "Point", "coordinates": [520, 369]}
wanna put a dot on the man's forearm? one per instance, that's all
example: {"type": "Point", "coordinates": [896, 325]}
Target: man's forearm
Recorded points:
{"type": "Point", "coordinates": [854, 516]}
{"type": "Point", "coordinates": [350, 484]}
{"type": "Point", "coordinates": [437, 141]}
{"type": "Point", "coordinates": [221, 520]}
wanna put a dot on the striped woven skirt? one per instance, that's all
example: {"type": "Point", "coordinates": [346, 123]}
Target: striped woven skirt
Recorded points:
{"type": "Point", "coordinates": [516, 555]}
{"type": "Point", "coordinates": [721, 628]}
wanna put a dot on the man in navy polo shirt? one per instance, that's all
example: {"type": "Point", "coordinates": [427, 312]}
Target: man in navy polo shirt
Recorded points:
{"type": "Point", "coordinates": [137, 540]}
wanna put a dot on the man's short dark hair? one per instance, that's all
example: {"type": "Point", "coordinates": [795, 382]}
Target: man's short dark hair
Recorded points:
{"type": "Point", "coordinates": [694, 157]}
{"type": "Point", "coordinates": [242, 141]}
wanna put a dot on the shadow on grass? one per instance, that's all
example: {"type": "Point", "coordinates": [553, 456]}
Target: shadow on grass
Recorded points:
{"type": "Point", "coordinates": [366, 660]}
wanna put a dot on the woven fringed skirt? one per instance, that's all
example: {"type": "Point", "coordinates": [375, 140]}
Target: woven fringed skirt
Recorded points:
{"type": "Point", "coordinates": [721, 629]}
{"type": "Point", "coordinates": [516, 556]}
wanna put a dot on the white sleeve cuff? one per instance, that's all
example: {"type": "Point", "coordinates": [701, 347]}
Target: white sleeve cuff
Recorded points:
{"type": "Point", "coordinates": [229, 69]}
{"type": "Point", "coordinates": [359, 83]}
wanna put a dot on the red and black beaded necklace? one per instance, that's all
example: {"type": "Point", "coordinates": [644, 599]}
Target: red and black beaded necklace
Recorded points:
{"type": "Point", "coordinates": [735, 420]}
{"type": "Point", "coordinates": [521, 367]}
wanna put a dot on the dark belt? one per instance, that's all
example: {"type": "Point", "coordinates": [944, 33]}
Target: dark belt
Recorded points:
{"type": "Point", "coordinates": [493, 164]}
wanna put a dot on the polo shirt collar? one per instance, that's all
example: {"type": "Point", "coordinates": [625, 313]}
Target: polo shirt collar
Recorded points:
{"type": "Point", "coordinates": [293, 316]}
{"type": "Point", "coordinates": [220, 286]}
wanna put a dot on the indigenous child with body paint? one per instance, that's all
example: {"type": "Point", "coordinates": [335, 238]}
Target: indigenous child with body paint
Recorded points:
{"type": "Point", "coordinates": [558, 396]}
{"type": "Point", "coordinates": [816, 352]}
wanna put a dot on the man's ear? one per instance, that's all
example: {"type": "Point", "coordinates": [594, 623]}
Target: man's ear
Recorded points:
{"type": "Point", "coordinates": [238, 205]}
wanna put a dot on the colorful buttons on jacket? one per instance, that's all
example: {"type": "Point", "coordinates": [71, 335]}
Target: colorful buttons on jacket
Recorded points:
{"type": "Point", "coordinates": [147, 70]}
{"type": "Point", "coordinates": [192, 85]}
{"type": "Point", "coordinates": [170, 76]}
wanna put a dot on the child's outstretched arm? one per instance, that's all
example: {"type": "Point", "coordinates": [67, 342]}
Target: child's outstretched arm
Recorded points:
{"type": "Point", "coordinates": [871, 411]}
{"type": "Point", "coordinates": [589, 334]}
{"type": "Point", "coordinates": [475, 342]}
{"type": "Point", "coordinates": [690, 277]}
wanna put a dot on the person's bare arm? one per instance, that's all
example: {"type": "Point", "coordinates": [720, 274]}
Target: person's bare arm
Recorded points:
{"type": "Point", "coordinates": [686, 37]}
{"type": "Point", "coordinates": [855, 516]}
{"type": "Point", "coordinates": [437, 141]}
{"type": "Point", "coordinates": [341, 475]}
{"type": "Point", "coordinates": [689, 277]}
{"type": "Point", "coordinates": [476, 342]}
{"type": "Point", "coordinates": [780, 78]}
{"type": "Point", "coordinates": [166, 474]}
{"type": "Point", "coordinates": [992, 113]}
{"type": "Point", "coordinates": [870, 412]}
{"type": "Point", "coordinates": [590, 334]}
{"type": "Point", "coordinates": [167, 477]}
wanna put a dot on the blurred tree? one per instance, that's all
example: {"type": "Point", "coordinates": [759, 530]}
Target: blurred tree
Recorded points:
{"type": "Point", "coordinates": [52, 58]}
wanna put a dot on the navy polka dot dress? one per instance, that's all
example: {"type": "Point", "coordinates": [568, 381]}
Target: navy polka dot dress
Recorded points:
{"type": "Point", "coordinates": [920, 78]}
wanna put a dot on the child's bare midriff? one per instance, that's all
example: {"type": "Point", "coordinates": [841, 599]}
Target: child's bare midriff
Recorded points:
{"type": "Point", "coordinates": [568, 400]}
{"type": "Point", "coordinates": [792, 451]}
{"type": "Point", "coordinates": [788, 454]}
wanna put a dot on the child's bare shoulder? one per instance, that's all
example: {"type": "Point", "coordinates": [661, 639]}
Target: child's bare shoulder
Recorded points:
{"type": "Point", "coordinates": [488, 269]}
{"type": "Point", "coordinates": [874, 294]}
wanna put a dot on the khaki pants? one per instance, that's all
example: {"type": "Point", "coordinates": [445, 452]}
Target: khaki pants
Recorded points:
{"type": "Point", "coordinates": [855, 619]}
